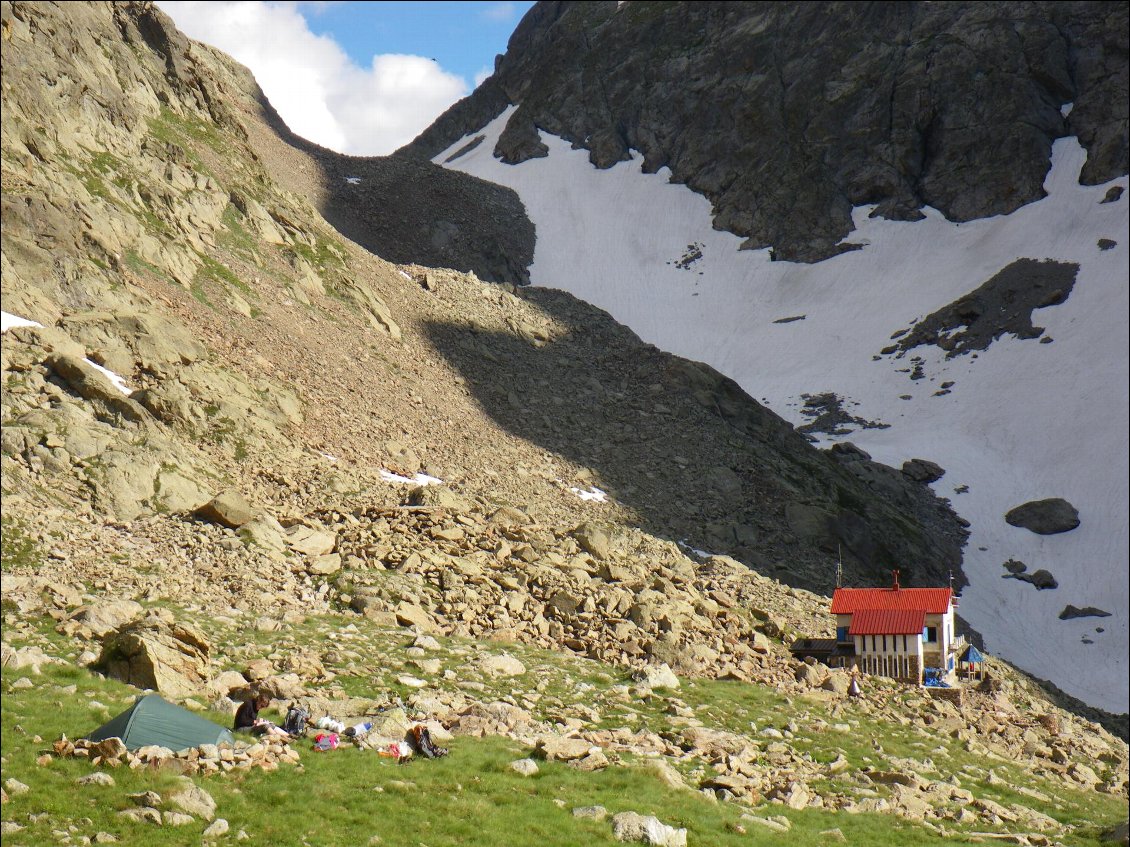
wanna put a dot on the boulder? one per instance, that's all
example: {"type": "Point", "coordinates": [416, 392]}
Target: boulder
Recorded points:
{"type": "Point", "coordinates": [810, 675]}
{"type": "Point", "coordinates": [326, 565]}
{"type": "Point", "coordinates": [287, 686]}
{"type": "Point", "coordinates": [89, 383]}
{"type": "Point", "coordinates": [409, 614]}
{"type": "Point", "coordinates": [311, 541]}
{"type": "Point", "coordinates": [1045, 517]}
{"type": "Point", "coordinates": [657, 676]}
{"type": "Point", "coordinates": [228, 508]}
{"type": "Point", "coordinates": [1069, 612]}
{"type": "Point", "coordinates": [265, 532]}
{"type": "Point", "coordinates": [157, 653]}
{"type": "Point", "coordinates": [921, 470]}
{"type": "Point", "coordinates": [563, 748]}
{"type": "Point", "coordinates": [838, 681]}
{"type": "Point", "coordinates": [193, 800]}
{"type": "Point", "coordinates": [496, 666]}
{"type": "Point", "coordinates": [634, 827]}
{"type": "Point", "coordinates": [525, 767]}
{"type": "Point", "coordinates": [596, 813]}
{"type": "Point", "coordinates": [103, 618]}
{"type": "Point", "coordinates": [440, 497]}
{"type": "Point", "coordinates": [593, 540]}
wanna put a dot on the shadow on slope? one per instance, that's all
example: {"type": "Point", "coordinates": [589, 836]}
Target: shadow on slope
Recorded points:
{"type": "Point", "coordinates": [412, 211]}
{"type": "Point", "coordinates": [694, 457]}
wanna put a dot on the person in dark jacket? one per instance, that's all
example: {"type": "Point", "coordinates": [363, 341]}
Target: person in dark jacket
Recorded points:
{"type": "Point", "coordinates": [247, 717]}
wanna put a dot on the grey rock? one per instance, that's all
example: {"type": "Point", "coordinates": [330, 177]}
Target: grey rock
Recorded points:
{"type": "Point", "coordinates": [525, 767]}
{"type": "Point", "coordinates": [1003, 304]}
{"type": "Point", "coordinates": [215, 829]}
{"type": "Point", "coordinates": [1069, 612]}
{"type": "Point", "coordinates": [158, 653]}
{"type": "Point", "coordinates": [921, 470]}
{"type": "Point", "coordinates": [98, 778]}
{"type": "Point", "coordinates": [1045, 517]}
{"type": "Point", "coordinates": [633, 827]}
{"type": "Point", "coordinates": [1042, 579]}
{"type": "Point", "coordinates": [194, 800]}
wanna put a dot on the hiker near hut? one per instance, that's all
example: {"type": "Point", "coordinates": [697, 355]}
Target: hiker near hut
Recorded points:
{"type": "Point", "coordinates": [247, 718]}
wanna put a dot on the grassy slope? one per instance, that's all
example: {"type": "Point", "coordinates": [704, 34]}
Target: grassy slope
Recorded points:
{"type": "Point", "coordinates": [471, 797]}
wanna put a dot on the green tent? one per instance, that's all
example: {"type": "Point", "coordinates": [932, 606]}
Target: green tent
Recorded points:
{"type": "Point", "coordinates": [153, 720]}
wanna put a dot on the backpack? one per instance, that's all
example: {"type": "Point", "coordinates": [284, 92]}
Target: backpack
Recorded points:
{"type": "Point", "coordinates": [422, 739]}
{"type": "Point", "coordinates": [295, 723]}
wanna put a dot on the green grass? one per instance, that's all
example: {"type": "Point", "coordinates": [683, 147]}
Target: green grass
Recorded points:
{"type": "Point", "coordinates": [472, 797]}
{"type": "Point", "coordinates": [350, 796]}
{"type": "Point", "coordinates": [326, 254]}
{"type": "Point", "coordinates": [18, 551]}
{"type": "Point", "coordinates": [172, 128]}
{"type": "Point", "coordinates": [234, 235]}
{"type": "Point", "coordinates": [217, 272]}
{"type": "Point", "coordinates": [139, 266]}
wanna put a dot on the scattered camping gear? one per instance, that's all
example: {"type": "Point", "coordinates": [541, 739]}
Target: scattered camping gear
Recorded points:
{"type": "Point", "coordinates": [152, 720]}
{"type": "Point", "coordinates": [295, 722]}
{"type": "Point", "coordinates": [853, 688]}
{"type": "Point", "coordinates": [399, 750]}
{"type": "Point", "coordinates": [422, 740]}
{"type": "Point", "coordinates": [358, 730]}
{"type": "Point", "coordinates": [330, 724]}
{"type": "Point", "coordinates": [325, 741]}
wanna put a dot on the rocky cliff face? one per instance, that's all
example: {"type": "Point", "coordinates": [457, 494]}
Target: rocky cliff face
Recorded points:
{"type": "Point", "coordinates": [786, 115]}
{"type": "Point", "coordinates": [159, 226]}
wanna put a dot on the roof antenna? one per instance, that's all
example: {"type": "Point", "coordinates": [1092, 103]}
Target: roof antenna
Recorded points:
{"type": "Point", "coordinates": [839, 568]}
{"type": "Point", "coordinates": [896, 573]}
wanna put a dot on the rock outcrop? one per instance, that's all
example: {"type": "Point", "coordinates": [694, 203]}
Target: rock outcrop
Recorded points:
{"type": "Point", "coordinates": [160, 654]}
{"type": "Point", "coordinates": [787, 115]}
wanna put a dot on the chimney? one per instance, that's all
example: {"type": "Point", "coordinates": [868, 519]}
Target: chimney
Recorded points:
{"type": "Point", "coordinates": [896, 573]}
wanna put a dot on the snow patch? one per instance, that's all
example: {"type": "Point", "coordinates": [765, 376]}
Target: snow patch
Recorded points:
{"type": "Point", "coordinates": [593, 494]}
{"type": "Point", "coordinates": [418, 479]}
{"type": "Point", "coordinates": [1021, 421]}
{"type": "Point", "coordinates": [9, 321]}
{"type": "Point", "coordinates": [115, 380]}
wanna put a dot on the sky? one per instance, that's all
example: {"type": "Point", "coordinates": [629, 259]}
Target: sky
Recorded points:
{"type": "Point", "coordinates": [362, 78]}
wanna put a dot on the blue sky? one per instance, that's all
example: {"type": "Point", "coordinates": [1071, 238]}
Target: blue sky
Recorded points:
{"type": "Point", "coordinates": [463, 37]}
{"type": "Point", "coordinates": [358, 77]}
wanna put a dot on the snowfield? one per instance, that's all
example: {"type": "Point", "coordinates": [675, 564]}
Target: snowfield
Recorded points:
{"type": "Point", "coordinates": [1023, 421]}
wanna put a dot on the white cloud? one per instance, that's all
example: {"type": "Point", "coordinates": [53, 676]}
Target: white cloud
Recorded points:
{"type": "Point", "coordinates": [482, 74]}
{"type": "Point", "coordinates": [499, 12]}
{"type": "Point", "coordinates": [316, 88]}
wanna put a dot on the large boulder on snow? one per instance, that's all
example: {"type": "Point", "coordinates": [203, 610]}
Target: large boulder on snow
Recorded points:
{"type": "Point", "coordinates": [1045, 517]}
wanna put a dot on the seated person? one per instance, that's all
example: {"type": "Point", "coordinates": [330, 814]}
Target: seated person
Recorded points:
{"type": "Point", "coordinates": [247, 718]}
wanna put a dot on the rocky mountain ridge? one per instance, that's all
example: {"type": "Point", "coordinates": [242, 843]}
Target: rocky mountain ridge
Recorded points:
{"type": "Point", "coordinates": [242, 513]}
{"type": "Point", "coordinates": [786, 115]}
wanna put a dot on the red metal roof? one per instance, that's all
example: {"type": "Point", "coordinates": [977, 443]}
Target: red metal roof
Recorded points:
{"type": "Point", "coordinates": [932, 601]}
{"type": "Point", "coordinates": [887, 622]}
